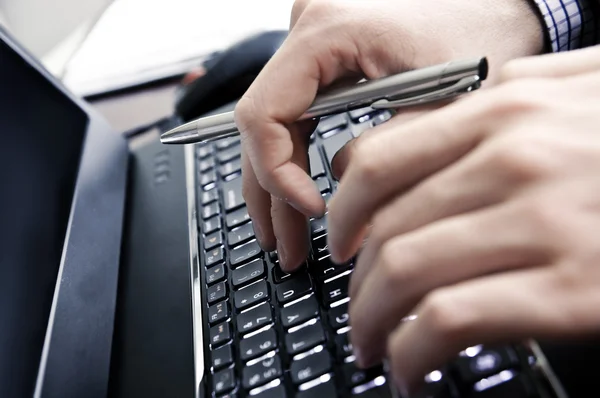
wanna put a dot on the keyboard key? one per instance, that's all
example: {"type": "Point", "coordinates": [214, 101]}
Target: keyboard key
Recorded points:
{"type": "Point", "coordinates": [320, 248]}
{"type": "Point", "coordinates": [224, 381]}
{"type": "Point", "coordinates": [335, 290]}
{"type": "Point", "coordinates": [338, 316]}
{"type": "Point", "coordinates": [248, 273]}
{"type": "Point", "coordinates": [304, 339]}
{"type": "Point", "coordinates": [213, 240]}
{"type": "Point", "coordinates": [317, 168]}
{"type": "Point", "coordinates": [244, 253]}
{"type": "Point", "coordinates": [323, 185]}
{"type": "Point", "coordinates": [380, 119]}
{"type": "Point", "coordinates": [225, 143]}
{"type": "Point", "coordinates": [237, 217]}
{"type": "Point", "coordinates": [293, 289]}
{"type": "Point", "coordinates": [330, 123]}
{"type": "Point", "coordinates": [209, 196]}
{"type": "Point", "coordinates": [261, 373]}
{"type": "Point", "coordinates": [497, 387]}
{"type": "Point", "coordinates": [218, 312]}
{"type": "Point", "coordinates": [251, 295]}
{"type": "Point", "coordinates": [436, 385]}
{"type": "Point", "coordinates": [486, 363]}
{"type": "Point", "coordinates": [208, 177]}
{"type": "Point", "coordinates": [216, 274]}
{"type": "Point", "coordinates": [211, 225]}
{"type": "Point", "coordinates": [318, 227]}
{"type": "Point", "coordinates": [214, 256]}
{"type": "Point", "coordinates": [356, 114]}
{"type": "Point", "coordinates": [325, 269]}
{"type": "Point", "coordinates": [275, 392]}
{"type": "Point", "coordinates": [216, 292]}
{"type": "Point", "coordinates": [254, 319]}
{"type": "Point", "coordinates": [240, 234]}
{"type": "Point", "coordinates": [211, 210]}
{"type": "Point", "coordinates": [355, 376]}
{"type": "Point", "coordinates": [232, 194]}
{"type": "Point", "coordinates": [343, 346]}
{"type": "Point", "coordinates": [279, 275]}
{"type": "Point", "coordinates": [222, 357]}
{"type": "Point", "coordinates": [229, 154]}
{"type": "Point", "coordinates": [327, 389]}
{"type": "Point", "coordinates": [334, 143]}
{"type": "Point", "coordinates": [230, 167]}
{"type": "Point", "coordinates": [258, 344]}
{"type": "Point", "coordinates": [206, 164]}
{"type": "Point", "coordinates": [205, 150]}
{"type": "Point", "coordinates": [220, 334]}
{"type": "Point", "coordinates": [299, 312]}
{"type": "Point", "coordinates": [310, 367]}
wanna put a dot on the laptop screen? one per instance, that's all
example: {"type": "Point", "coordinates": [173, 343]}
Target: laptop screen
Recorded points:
{"type": "Point", "coordinates": [41, 137]}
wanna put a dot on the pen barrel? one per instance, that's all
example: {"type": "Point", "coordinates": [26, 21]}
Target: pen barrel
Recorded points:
{"type": "Point", "coordinates": [457, 70]}
{"type": "Point", "coordinates": [395, 86]}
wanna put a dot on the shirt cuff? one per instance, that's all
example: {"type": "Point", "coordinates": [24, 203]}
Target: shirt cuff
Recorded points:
{"type": "Point", "coordinates": [571, 24]}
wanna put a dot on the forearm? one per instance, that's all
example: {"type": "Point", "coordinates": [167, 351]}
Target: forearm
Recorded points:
{"type": "Point", "coordinates": [570, 24]}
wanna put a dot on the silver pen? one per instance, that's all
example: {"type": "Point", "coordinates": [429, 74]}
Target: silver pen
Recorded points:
{"type": "Point", "coordinates": [415, 87]}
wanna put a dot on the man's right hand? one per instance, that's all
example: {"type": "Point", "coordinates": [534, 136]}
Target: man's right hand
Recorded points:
{"type": "Point", "coordinates": [332, 41]}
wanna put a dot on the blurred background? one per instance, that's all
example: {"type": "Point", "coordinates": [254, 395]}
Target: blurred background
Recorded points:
{"type": "Point", "coordinates": [43, 25]}
{"type": "Point", "coordinates": [96, 46]}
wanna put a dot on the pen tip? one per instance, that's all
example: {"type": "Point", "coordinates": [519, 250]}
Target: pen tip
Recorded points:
{"type": "Point", "coordinates": [183, 134]}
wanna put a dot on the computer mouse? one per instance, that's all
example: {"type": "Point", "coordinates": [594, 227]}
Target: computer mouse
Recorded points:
{"type": "Point", "coordinates": [226, 75]}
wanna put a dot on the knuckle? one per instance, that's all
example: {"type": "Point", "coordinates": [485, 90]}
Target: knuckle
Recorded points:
{"type": "Point", "coordinates": [366, 165]}
{"type": "Point", "coordinates": [244, 113]}
{"type": "Point", "coordinates": [447, 318]}
{"type": "Point", "coordinates": [514, 98]}
{"type": "Point", "coordinates": [510, 70]}
{"type": "Point", "coordinates": [543, 215]}
{"type": "Point", "coordinates": [524, 157]}
{"type": "Point", "coordinates": [390, 268]}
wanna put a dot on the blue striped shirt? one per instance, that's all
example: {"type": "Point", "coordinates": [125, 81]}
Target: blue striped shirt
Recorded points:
{"type": "Point", "coordinates": [571, 24]}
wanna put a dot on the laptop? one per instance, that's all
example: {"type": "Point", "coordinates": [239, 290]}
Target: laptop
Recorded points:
{"type": "Point", "coordinates": [130, 269]}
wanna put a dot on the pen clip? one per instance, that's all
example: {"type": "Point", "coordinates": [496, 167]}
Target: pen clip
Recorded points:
{"type": "Point", "coordinates": [464, 85]}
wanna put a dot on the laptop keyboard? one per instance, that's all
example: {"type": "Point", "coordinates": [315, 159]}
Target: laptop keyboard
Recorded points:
{"type": "Point", "coordinates": [269, 334]}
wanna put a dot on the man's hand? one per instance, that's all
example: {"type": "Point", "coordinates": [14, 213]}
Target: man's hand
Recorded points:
{"type": "Point", "coordinates": [480, 218]}
{"type": "Point", "coordinates": [338, 40]}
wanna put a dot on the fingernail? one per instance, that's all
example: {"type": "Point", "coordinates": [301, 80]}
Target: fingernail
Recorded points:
{"type": "Point", "coordinates": [259, 234]}
{"type": "Point", "coordinates": [282, 256]}
{"type": "Point", "coordinates": [402, 390]}
{"type": "Point", "coordinates": [358, 356]}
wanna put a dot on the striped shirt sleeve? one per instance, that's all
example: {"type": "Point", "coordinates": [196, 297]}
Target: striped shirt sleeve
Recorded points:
{"type": "Point", "coordinates": [571, 24]}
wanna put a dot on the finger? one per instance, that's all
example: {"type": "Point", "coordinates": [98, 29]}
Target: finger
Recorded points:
{"type": "Point", "coordinates": [279, 95]}
{"type": "Point", "coordinates": [343, 157]}
{"type": "Point", "coordinates": [485, 177]}
{"type": "Point", "coordinates": [552, 65]}
{"type": "Point", "coordinates": [398, 158]}
{"type": "Point", "coordinates": [291, 226]}
{"type": "Point", "coordinates": [504, 308]}
{"type": "Point", "coordinates": [441, 254]}
{"type": "Point", "coordinates": [297, 10]}
{"type": "Point", "coordinates": [258, 203]}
